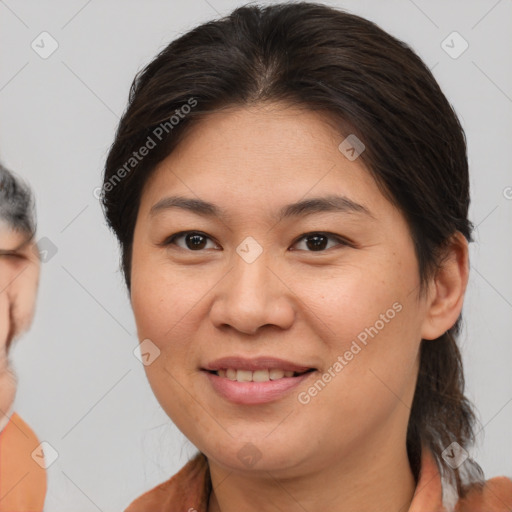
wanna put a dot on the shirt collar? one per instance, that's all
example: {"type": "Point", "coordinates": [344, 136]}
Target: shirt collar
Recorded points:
{"type": "Point", "coordinates": [190, 488]}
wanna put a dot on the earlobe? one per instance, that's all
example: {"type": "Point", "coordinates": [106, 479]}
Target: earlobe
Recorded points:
{"type": "Point", "coordinates": [448, 288]}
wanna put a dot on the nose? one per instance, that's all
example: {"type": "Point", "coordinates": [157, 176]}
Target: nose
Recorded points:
{"type": "Point", "coordinates": [253, 295]}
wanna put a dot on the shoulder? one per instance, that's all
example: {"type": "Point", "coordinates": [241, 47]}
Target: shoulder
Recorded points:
{"type": "Point", "coordinates": [495, 495]}
{"type": "Point", "coordinates": [22, 469]}
{"type": "Point", "coordinates": [186, 490]}
{"type": "Point", "coordinates": [18, 438]}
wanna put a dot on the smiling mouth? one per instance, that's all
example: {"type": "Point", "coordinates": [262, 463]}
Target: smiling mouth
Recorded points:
{"type": "Point", "coordinates": [257, 375]}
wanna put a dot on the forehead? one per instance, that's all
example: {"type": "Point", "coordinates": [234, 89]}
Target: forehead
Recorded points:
{"type": "Point", "coordinates": [263, 152]}
{"type": "Point", "coordinates": [266, 129]}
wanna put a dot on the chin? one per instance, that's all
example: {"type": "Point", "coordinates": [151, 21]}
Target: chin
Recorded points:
{"type": "Point", "coordinates": [258, 454]}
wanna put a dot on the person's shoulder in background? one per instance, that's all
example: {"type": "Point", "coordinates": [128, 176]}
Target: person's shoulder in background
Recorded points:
{"type": "Point", "coordinates": [22, 468]}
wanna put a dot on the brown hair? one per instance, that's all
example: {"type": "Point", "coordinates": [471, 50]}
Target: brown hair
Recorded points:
{"type": "Point", "coordinates": [367, 82]}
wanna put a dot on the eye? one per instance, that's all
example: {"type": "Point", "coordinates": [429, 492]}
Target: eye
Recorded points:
{"type": "Point", "coordinates": [11, 255]}
{"type": "Point", "coordinates": [194, 240]}
{"type": "Point", "coordinates": [317, 241]}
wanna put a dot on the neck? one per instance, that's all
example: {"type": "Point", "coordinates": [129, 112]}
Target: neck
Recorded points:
{"type": "Point", "coordinates": [4, 418]}
{"type": "Point", "coordinates": [7, 392]}
{"type": "Point", "coordinates": [362, 482]}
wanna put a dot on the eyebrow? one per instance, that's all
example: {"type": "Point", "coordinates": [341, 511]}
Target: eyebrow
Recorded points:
{"type": "Point", "coordinates": [330, 203]}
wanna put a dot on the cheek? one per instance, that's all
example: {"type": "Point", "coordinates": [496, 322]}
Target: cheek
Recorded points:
{"type": "Point", "coordinates": [167, 305]}
{"type": "Point", "coordinates": [164, 314]}
{"type": "Point", "coordinates": [354, 297]}
{"type": "Point", "coordinates": [4, 320]}
{"type": "Point", "coordinates": [371, 319]}
{"type": "Point", "coordinates": [24, 294]}
{"type": "Point", "coordinates": [162, 302]}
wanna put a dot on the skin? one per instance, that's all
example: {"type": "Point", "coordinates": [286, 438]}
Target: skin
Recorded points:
{"type": "Point", "coordinates": [19, 278]}
{"type": "Point", "coordinates": [345, 449]}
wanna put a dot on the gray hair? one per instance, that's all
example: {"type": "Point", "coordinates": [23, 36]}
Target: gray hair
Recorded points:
{"type": "Point", "coordinates": [17, 206]}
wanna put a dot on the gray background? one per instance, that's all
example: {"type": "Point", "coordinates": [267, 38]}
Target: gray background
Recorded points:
{"type": "Point", "coordinates": [81, 388]}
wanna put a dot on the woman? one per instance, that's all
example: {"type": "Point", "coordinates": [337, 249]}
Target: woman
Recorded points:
{"type": "Point", "coordinates": [290, 190]}
{"type": "Point", "coordinates": [22, 463]}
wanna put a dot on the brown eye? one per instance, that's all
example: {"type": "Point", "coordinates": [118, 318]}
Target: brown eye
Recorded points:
{"type": "Point", "coordinates": [317, 242]}
{"type": "Point", "coordinates": [194, 240]}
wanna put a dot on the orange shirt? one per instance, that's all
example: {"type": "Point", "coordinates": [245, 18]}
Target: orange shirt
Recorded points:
{"type": "Point", "coordinates": [22, 478]}
{"type": "Point", "coordinates": [190, 488]}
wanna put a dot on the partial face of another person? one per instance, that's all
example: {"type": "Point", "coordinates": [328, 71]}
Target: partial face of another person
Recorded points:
{"type": "Point", "coordinates": [332, 290]}
{"type": "Point", "coordinates": [19, 277]}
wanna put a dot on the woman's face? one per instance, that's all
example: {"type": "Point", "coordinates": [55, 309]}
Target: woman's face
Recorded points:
{"type": "Point", "coordinates": [334, 290]}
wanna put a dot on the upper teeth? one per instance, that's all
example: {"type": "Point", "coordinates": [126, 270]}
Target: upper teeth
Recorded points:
{"type": "Point", "coordinates": [257, 376]}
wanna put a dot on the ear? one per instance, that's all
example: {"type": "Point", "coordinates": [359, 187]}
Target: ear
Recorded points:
{"type": "Point", "coordinates": [447, 289]}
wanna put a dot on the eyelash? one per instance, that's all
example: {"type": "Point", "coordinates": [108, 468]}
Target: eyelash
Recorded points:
{"type": "Point", "coordinates": [171, 239]}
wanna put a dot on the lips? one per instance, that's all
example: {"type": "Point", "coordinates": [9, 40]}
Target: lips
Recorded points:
{"type": "Point", "coordinates": [255, 364]}
{"type": "Point", "coordinates": [255, 393]}
{"type": "Point", "coordinates": [252, 384]}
